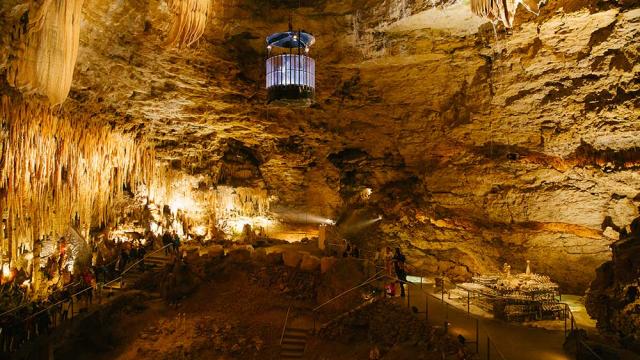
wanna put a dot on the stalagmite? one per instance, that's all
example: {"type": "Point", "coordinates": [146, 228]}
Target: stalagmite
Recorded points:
{"type": "Point", "coordinates": [46, 49]}
{"type": "Point", "coordinates": [189, 22]}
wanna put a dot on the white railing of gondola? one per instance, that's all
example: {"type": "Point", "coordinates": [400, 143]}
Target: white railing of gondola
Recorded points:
{"type": "Point", "coordinates": [290, 69]}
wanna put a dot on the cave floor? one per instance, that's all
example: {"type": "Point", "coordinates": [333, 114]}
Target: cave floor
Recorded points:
{"type": "Point", "coordinates": [512, 341]}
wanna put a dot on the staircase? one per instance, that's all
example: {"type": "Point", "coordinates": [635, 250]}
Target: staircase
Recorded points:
{"type": "Point", "coordinates": [294, 343]}
{"type": "Point", "coordinates": [153, 262]}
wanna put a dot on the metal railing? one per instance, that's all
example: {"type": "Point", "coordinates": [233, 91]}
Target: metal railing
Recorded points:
{"type": "Point", "coordinates": [573, 330]}
{"type": "Point", "coordinates": [88, 288]}
{"type": "Point", "coordinates": [284, 327]}
{"type": "Point", "coordinates": [446, 324]}
{"type": "Point", "coordinates": [126, 270]}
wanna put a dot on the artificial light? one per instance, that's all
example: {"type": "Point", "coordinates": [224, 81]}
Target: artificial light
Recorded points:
{"type": "Point", "coordinates": [200, 230]}
{"type": "Point", "coordinates": [182, 203]}
{"type": "Point", "coordinates": [6, 271]}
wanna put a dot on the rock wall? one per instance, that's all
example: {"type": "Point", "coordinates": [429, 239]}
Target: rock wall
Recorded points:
{"type": "Point", "coordinates": [614, 296]}
{"type": "Point", "coordinates": [480, 146]}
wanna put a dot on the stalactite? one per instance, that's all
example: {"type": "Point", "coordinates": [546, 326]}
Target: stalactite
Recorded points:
{"type": "Point", "coordinates": [189, 21]}
{"type": "Point", "coordinates": [496, 10]}
{"type": "Point", "coordinates": [53, 169]}
{"type": "Point", "coordinates": [46, 49]}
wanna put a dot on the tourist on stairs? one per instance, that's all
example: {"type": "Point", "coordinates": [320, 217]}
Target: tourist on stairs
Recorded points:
{"type": "Point", "coordinates": [398, 264]}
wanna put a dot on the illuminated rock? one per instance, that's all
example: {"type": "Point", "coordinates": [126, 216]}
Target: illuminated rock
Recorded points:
{"type": "Point", "coordinates": [326, 263]}
{"type": "Point", "coordinates": [292, 258]}
{"type": "Point", "coordinates": [309, 263]}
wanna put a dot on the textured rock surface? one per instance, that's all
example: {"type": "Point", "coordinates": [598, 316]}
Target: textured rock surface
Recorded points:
{"type": "Point", "coordinates": [614, 296]}
{"type": "Point", "coordinates": [480, 149]}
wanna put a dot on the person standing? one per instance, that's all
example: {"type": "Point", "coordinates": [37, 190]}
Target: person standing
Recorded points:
{"type": "Point", "coordinates": [399, 267]}
{"type": "Point", "coordinates": [355, 252]}
{"type": "Point", "coordinates": [166, 240]}
{"type": "Point", "coordinates": [388, 261]}
{"type": "Point", "coordinates": [176, 243]}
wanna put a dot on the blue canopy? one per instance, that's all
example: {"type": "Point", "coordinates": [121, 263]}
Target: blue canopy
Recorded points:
{"type": "Point", "coordinates": [291, 39]}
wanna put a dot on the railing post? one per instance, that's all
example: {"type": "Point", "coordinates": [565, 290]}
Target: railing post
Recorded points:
{"type": "Point", "coordinates": [477, 336]}
{"type": "Point", "coordinates": [446, 311]}
{"type": "Point", "coordinates": [468, 301]}
{"type": "Point", "coordinates": [575, 336]}
{"type": "Point", "coordinates": [565, 320]}
{"type": "Point", "coordinates": [571, 314]}
{"type": "Point", "coordinates": [426, 307]}
{"type": "Point", "coordinates": [408, 295]}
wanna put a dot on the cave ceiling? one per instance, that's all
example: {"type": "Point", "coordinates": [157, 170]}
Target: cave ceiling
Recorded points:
{"type": "Point", "coordinates": [526, 137]}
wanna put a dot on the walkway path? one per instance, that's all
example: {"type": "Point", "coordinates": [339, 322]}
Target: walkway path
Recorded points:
{"type": "Point", "coordinates": [514, 342]}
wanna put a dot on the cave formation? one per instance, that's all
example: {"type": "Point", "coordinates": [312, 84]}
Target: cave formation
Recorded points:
{"type": "Point", "coordinates": [471, 134]}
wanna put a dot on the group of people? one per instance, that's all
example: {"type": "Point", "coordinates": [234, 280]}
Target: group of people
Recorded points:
{"type": "Point", "coordinates": [25, 318]}
{"type": "Point", "coordinates": [39, 317]}
{"type": "Point", "coordinates": [171, 242]}
{"type": "Point", "coordinates": [395, 267]}
{"type": "Point", "coordinates": [351, 251]}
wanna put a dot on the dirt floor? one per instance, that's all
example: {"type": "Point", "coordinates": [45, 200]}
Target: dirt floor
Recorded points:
{"type": "Point", "coordinates": [228, 317]}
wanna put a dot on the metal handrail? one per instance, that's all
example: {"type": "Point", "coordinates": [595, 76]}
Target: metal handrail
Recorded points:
{"type": "Point", "coordinates": [574, 326]}
{"type": "Point", "coordinates": [90, 287]}
{"type": "Point", "coordinates": [284, 327]}
{"type": "Point", "coordinates": [58, 290]}
{"type": "Point", "coordinates": [434, 296]}
{"type": "Point", "coordinates": [29, 303]}
{"type": "Point", "coordinates": [119, 278]}
{"type": "Point", "coordinates": [375, 277]}
{"type": "Point", "coordinates": [144, 257]}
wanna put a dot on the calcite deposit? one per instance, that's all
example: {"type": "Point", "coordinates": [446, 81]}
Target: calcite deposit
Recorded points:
{"type": "Point", "coordinates": [480, 145]}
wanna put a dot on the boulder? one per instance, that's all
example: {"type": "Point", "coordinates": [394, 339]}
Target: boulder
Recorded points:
{"type": "Point", "coordinates": [291, 258]}
{"type": "Point", "coordinates": [215, 251]}
{"type": "Point", "coordinates": [327, 263]}
{"type": "Point", "coordinates": [211, 252]}
{"type": "Point", "coordinates": [309, 263]}
{"type": "Point", "coordinates": [259, 255]}
{"type": "Point", "coordinates": [239, 254]}
{"type": "Point", "coordinates": [274, 258]}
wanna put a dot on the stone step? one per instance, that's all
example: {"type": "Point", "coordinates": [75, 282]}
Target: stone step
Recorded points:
{"type": "Point", "coordinates": [161, 262]}
{"type": "Point", "coordinates": [291, 354]}
{"type": "Point", "coordinates": [292, 348]}
{"type": "Point", "coordinates": [298, 335]}
{"type": "Point", "coordinates": [293, 341]}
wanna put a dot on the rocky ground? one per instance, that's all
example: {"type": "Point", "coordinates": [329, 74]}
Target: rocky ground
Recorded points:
{"type": "Point", "coordinates": [384, 324]}
{"type": "Point", "coordinates": [237, 312]}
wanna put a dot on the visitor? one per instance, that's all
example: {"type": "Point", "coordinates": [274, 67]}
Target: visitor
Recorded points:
{"type": "Point", "coordinates": [355, 252]}
{"type": "Point", "coordinates": [142, 252]}
{"type": "Point", "coordinates": [176, 243]}
{"type": "Point", "coordinates": [399, 267]}
{"type": "Point", "coordinates": [388, 261]}
{"type": "Point", "coordinates": [347, 251]}
{"type": "Point", "coordinates": [43, 321]}
{"type": "Point", "coordinates": [133, 252]}
{"type": "Point", "coordinates": [88, 283]}
{"type": "Point", "coordinates": [122, 261]}
{"type": "Point", "coordinates": [167, 240]}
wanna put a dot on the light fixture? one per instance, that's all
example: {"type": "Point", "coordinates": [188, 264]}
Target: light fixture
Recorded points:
{"type": "Point", "coordinates": [6, 270]}
{"type": "Point", "coordinates": [291, 73]}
